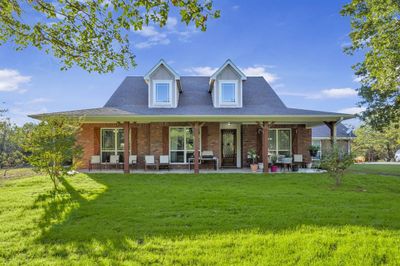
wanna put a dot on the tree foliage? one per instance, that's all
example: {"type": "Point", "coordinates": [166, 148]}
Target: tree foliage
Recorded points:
{"type": "Point", "coordinates": [377, 144]}
{"type": "Point", "coordinates": [336, 162]}
{"type": "Point", "coordinates": [376, 32]}
{"type": "Point", "coordinates": [93, 35]}
{"type": "Point", "coordinates": [11, 154]}
{"type": "Point", "coordinates": [52, 144]}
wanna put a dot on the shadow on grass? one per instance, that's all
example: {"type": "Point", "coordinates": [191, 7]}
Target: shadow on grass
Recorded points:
{"type": "Point", "coordinates": [138, 206]}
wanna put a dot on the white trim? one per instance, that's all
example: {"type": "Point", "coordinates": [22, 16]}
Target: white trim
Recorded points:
{"type": "Point", "coordinates": [184, 144]}
{"type": "Point", "coordinates": [328, 138]}
{"type": "Point", "coordinates": [277, 140]}
{"type": "Point", "coordinates": [228, 62]}
{"type": "Point", "coordinates": [238, 128]}
{"type": "Point", "coordinates": [115, 150]}
{"type": "Point", "coordinates": [162, 104]}
{"type": "Point", "coordinates": [161, 62]}
{"type": "Point", "coordinates": [228, 104]}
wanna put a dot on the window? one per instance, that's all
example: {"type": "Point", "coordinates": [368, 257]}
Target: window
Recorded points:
{"type": "Point", "coordinates": [228, 93]}
{"type": "Point", "coordinates": [318, 144]}
{"type": "Point", "coordinates": [181, 143]}
{"type": "Point", "coordinates": [112, 143]}
{"type": "Point", "coordinates": [162, 92]}
{"type": "Point", "coordinates": [280, 142]}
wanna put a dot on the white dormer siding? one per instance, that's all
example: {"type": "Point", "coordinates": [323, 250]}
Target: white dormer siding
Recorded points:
{"type": "Point", "coordinates": [227, 86]}
{"type": "Point", "coordinates": [163, 91]}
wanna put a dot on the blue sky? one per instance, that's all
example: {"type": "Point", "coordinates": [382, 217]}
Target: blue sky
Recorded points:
{"type": "Point", "coordinates": [296, 45]}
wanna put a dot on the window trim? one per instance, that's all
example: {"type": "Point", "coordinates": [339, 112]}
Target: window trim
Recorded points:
{"type": "Point", "coordinates": [275, 152]}
{"type": "Point", "coordinates": [223, 103]}
{"type": "Point", "coordinates": [160, 81]}
{"type": "Point", "coordinates": [184, 141]}
{"type": "Point", "coordinates": [115, 129]}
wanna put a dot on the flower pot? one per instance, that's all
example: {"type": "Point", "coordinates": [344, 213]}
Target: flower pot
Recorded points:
{"type": "Point", "coordinates": [260, 166]}
{"type": "Point", "coordinates": [309, 165]}
{"type": "Point", "coordinates": [274, 168]}
{"type": "Point", "coordinates": [254, 167]}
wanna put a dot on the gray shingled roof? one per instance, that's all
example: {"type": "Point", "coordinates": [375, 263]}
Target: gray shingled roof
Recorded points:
{"type": "Point", "coordinates": [341, 131]}
{"type": "Point", "coordinates": [131, 99]}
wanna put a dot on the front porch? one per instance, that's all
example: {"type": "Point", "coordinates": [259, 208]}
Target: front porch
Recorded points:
{"type": "Point", "coordinates": [228, 144]}
{"type": "Point", "coordinates": [202, 171]}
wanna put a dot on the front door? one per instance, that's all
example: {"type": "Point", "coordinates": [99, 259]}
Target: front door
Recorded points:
{"type": "Point", "coordinates": [228, 143]}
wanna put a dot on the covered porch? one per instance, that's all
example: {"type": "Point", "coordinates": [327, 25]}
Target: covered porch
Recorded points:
{"type": "Point", "coordinates": [185, 144]}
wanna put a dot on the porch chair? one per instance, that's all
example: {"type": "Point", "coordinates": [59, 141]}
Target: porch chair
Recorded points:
{"type": "Point", "coordinates": [150, 161]}
{"type": "Point", "coordinates": [94, 161]}
{"type": "Point", "coordinates": [114, 160]}
{"type": "Point", "coordinates": [209, 156]}
{"type": "Point", "coordinates": [298, 159]}
{"type": "Point", "coordinates": [164, 162]}
{"type": "Point", "coordinates": [133, 160]}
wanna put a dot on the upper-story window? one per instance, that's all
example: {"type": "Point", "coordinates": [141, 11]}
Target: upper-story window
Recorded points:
{"type": "Point", "coordinates": [228, 92]}
{"type": "Point", "coordinates": [162, 92]}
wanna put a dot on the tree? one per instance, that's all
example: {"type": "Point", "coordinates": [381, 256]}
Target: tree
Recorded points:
{"type": "Point", "coordinates": [10, 152]}
{"type": "Point", "coordinates": [51, 144]}
{"type": "Point", "coordinates": [336, 162]}
{"type": "Point", "coordinates": [377, 144]}
{"type": "Point", "coordinates": [376, 32]}
{"type": "Point", "coordinates": [93, 35]}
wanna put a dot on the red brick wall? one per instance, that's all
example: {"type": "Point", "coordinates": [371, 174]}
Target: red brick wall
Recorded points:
{"type": "Point", "coordinates": [151, 139]}
{"type": "Point", "coordinates": [249, 141]}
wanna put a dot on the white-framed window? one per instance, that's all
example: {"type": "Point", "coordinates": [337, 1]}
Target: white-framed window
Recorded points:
{"type": "Point", "coordinates": [228, 92]}
{"type": "Point", "coordinates": [318, 144]}
{"type": "Point", "coordinates": [280, 142]}
{"type": "Point", "coordinates": [181, 144]}
{"type": "Point", "coordinates": [162, 92]}
{"type": "Point", "coordinates": [112, 143]}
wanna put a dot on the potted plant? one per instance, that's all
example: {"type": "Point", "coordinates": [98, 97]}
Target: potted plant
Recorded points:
{"type": "Point", "coordinates": [252, 155]}
{"type": "Point", "coordinates": [313, 150]}
{"type": "Point", "coordinates": [274, 168]}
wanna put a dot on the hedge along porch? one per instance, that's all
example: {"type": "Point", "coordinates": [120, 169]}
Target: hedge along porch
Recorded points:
{"type": "Point", "coordinates": [178, 140]}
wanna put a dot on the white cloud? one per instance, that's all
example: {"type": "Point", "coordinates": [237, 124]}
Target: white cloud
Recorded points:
{"type": "Point", "coordinates": [202, 71]}
{"type": "Point", "coordinates": [20, 115]}
{"type": "Point", "coordinates": [352, 110]}
{"type": "Point", "coordinates": [11, 80]}
{"type": "Point", "coordinates": [335, 93]}
{"type": "Point", "coordinates": [256, 70]}
{"type": "Point", "coordinates": [39, 100]}
{"type": "Point", "coordinates": [260, 70]}
{"type": "Point", "coordinates": [171, 23]}
{"type": "Point", "coordinates": [339, 92]}
{"type": "Point", "coordinates": [153, 37]}
{"type": "Point", "coordinates": [235, 7]}
{"type": "Point", "coordinates": [162, 36]}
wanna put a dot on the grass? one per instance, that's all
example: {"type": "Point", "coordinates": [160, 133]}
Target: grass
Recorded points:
{"type": "Point", "coordinates": [213, 219]}
{"type": "Point", "coordinates": [380, 169]}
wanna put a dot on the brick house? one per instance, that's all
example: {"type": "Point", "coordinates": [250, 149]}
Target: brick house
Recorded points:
{"type": "Point", "coordinates": [321, 138]}
{"type": "Point", "coordinates": [228, 113]}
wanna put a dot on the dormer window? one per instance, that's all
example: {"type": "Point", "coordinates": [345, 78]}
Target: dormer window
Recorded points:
{"type": "Point", "coordinates": [228, 92]}
{"type": "Point", "coordinates": [164, 86]}
{"type": "Point", "coordinates": [226, 86]}
{"type": "Point", "coordinates": [162, 92]}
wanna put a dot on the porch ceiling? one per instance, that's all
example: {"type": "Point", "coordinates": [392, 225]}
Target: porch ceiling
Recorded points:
{"type": "Point", "coordinates": [309, 120]}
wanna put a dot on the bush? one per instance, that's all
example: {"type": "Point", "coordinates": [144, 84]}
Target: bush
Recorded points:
{"type": "Point", "coordinates": [336, 162]}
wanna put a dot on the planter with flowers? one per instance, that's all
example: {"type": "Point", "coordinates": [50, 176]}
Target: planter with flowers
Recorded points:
{"type": "Point", "coordinates": [252, 155]}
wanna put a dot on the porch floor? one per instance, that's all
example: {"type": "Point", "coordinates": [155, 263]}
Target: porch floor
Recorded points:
{"type": "Point", "coordinates": [202, 171]}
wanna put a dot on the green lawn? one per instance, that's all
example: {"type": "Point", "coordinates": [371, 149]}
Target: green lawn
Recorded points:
{"type": "Point", "coordinates": [381, 169]}
{"type": "Point", "coordinates": [213, 219]}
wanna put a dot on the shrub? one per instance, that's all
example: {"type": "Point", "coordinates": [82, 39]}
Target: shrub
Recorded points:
{"type": "Point", "coordinates": [52, 144]}
{"type": "Point", "coordinates": [336, 162]}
